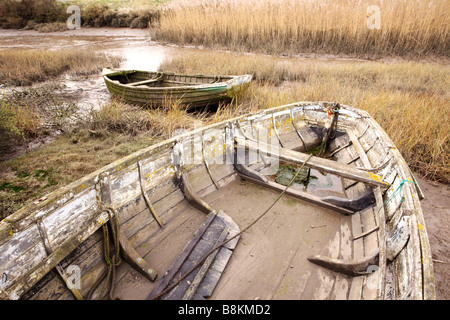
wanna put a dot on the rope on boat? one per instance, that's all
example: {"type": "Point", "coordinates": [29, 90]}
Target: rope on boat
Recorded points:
{"type": "Point", "coordinates": [113, 261]}
{"type": "Point", "coordinates": [235, 236]}
{"type": "Point", "coordinates": [331, 132]}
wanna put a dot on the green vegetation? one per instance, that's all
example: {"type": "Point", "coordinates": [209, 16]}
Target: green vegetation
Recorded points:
{"type": "Point", "coordinates": [51, 15]}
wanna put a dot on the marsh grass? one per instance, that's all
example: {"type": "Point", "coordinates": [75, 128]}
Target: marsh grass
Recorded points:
{"type": "Point", "coordinates": [34, 112]}
{"type": "Point", "coordinates": [93, 140]}
{"type": "Point", "coordinates": [118, 117]}
{"type": "Point", "coordinates": [408, 27]}
{"type": "Point", "coordinates": [24, 67]}
{"type": "Point", "coordinates": [28, 111]}
{"type": "Point", "coordinates": [408, 99]}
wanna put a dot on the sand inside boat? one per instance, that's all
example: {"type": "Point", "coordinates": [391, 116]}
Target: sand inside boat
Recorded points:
{"type": "Point", "coordinates": [270, 260]}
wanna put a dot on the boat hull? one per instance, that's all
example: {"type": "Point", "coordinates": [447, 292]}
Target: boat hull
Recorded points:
{"type": "Point", "coordinates": [192, 90]}
{"type": "Point", "coordinates": [367, 240]}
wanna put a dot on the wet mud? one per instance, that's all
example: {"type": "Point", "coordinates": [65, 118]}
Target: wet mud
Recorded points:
{"type": "Point", "coordinates": [134, 46]}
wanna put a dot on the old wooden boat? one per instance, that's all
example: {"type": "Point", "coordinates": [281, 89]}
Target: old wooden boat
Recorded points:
{"type": "Point", "coordinates": [157, 88]}
{"type": "Point", "coordinates": [207, 214]}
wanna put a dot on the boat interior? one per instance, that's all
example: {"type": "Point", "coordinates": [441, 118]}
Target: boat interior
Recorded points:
{"type": "Point", "coordinates": [163, 79]}
{"type": "Point", "coordinates": [289, 204]}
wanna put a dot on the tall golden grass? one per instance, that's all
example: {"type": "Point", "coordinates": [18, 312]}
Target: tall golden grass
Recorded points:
{"type": "Point", "coordinates": [407, 28]}
{"type": "Point", "coordinates": [408, 99]}
{"type": "Point", "coordinates": [25, 67]}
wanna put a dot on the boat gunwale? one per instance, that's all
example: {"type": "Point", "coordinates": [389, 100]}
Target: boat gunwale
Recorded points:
{"type": "Point", "coordinates": [233, 81]}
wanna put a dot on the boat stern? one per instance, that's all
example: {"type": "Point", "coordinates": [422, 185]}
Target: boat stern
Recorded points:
{"type": "Point", "coordinates": [238, 84]}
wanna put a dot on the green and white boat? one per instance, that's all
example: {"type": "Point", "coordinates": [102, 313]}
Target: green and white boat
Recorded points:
{"type": "Point", "coordinates": [157, 88]}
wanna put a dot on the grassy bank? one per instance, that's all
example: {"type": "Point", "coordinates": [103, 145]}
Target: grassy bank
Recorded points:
{"type": "Point", "coordinates": [25, 112]}
{"type": "Point", "coordinates": [51, 15]}
{"type": "Point", "coordinates": [24, 67]}
{"type": "Point", "coordinates": [407, 28]}
{"type": "Point", "coordinates": [92, 141]}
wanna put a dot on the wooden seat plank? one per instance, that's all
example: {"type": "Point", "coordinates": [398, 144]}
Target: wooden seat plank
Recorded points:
{"type": "Point", "coordinates": [317, 163]}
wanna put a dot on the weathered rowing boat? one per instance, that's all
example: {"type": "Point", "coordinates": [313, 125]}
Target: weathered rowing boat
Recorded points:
{"type": "Point", "coordinates": [209, 213]}
{"type": "Point", "coordinates": [156, 88]}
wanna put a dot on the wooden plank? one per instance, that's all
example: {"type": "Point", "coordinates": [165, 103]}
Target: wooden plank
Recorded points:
{"type": "Point", "coordinates": [379, 220]}
{"type": "Point", "coordinates": [341, 288]}
{"type": "Point", "coordinates": [315, 163]}
{"type": "Point", "coordinates": [66, 221]}
{"type": "Point", "coordinates": [355, 292]}
{"type": "Point", "coordinates": [182, 257]}
{"type": "Point", "coordinates": [143, 82]}
{"type": "Point", "coordinates": [204, 268]}
{"type": "Point", "coordinates": [27, 281]}
{"type": "Point", "coordinates": [299, 194]}
{"type": "Point", "coordinates": [358, 244]}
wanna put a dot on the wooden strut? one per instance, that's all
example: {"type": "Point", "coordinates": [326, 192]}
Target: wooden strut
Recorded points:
{"type": "Point", "coordinates": [207, 167]}
{"type": "Point", "coordinates": [366, 233]}
{"type": "Point", "coordinates": [296, 130]}
{"type": "Point", "coordinates": [352, 268]}
{"type": "Point", "coordinates": [238, 124]}
{"type": "Point", "coordinates": [276, 131]}
{"type": "Point", "coordinates": [317, 163]}
{"type": "Point", "coordinates": [144, 82]}
{"type": "Point", "coordinates": [147, 200]}
{"type": "Point", "coordinates": [191, 196]}
{"type": "Point", "coordinates": [127, 250]}
{"type": "Point", "coordinates": [257, 178]}
{"type": "Point", "coordinates": [340, 148]}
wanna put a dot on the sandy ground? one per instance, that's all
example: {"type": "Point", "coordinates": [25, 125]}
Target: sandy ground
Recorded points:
{"type": "Point", "coordinates": [436, 209]}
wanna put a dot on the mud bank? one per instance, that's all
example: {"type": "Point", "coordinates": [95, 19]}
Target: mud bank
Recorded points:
{"type": "Point", "coordinates": [436, 210]}
{"type": "Point", "coordinates": [134, 46]}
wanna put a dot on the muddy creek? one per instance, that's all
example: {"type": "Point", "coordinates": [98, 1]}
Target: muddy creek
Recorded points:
{"type": "Point", "coordinates": [134, 46]}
